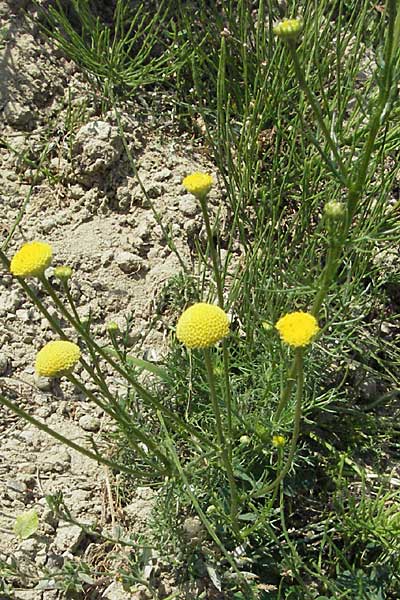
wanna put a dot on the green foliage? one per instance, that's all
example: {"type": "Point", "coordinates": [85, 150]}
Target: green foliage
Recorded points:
{"type": "Point", "coordinates": [135, 49]}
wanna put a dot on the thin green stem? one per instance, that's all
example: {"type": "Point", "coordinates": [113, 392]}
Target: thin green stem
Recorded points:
{"type": "Point", "coordinates": [120, 416]}
{"type": "Point", "coordinates": [220, 293]}
{"type": "Point", "coordinates": [286, 390]}
{"type": "Point", "coordinates": [207, 524]}
{"type": "Point", "coordinates": [221, 439]}
{"type": "Point", "coordinates": [143, 393]}
{"type": "Point", "coordinates": [100, 459]}
{"type": "Point", "coordinates": [316, 108]}
{"type": "Point", "coordinates": [213, 251]}
{"type": "Point", "coordinates": [296, 429]}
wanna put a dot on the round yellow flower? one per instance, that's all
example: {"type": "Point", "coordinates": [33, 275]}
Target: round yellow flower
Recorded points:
{"type": "Point", "coordinates": [198, 184]}
{"type": "Point", "coordinates": [278, 441]}
{"type": "Point", "coordinates": [297, 328]}
{"type": "Point", "coordinates": [31, 260]}
{"type": "Point", "coordinates": [57, 358]}
{"type": "Point", "coordinates": [202, 325]}
{"type": "Point", "coordinates": [288, 29]}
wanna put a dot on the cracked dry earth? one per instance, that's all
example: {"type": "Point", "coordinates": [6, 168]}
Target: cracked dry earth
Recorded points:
{"type": "Point", "coordinates": [65, 162]}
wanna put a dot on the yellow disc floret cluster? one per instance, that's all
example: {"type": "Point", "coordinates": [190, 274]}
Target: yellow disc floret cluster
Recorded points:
{"type": "Point", "coordinates": [297, 328]}
{"type": "Point", "coordinates": [31, 260]}
{"type": "Point", "coordinates": [198, 184]}
{"type": "Point", "coordinates": [57, 358]}
{"type": "Point", "coordinates": [202, 325]}
{"type": "Point", "coordinates": [289, 29]}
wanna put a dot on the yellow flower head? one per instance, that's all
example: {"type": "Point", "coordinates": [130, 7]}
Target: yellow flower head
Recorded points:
{"type": "Point", "coordinates": [278, 441]}
{"type": "Point", "coordinates": [289, 29]}
{"type": "Point", "coordinates": [64, 272]}
{"type": "Point", "coordinates": [297, 328]}
{"type": "Point", "coordinates": [31, 260]}
{"type": "Point", "coordinates": [57, 358]}
{"type": "Point", "coordinates": [198, 184]}
{"type": "Point", "coordinates": [202, 325]}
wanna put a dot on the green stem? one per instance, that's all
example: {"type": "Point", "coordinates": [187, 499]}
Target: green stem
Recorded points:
{"type": "Point", "coordinates": [207, 524]}
{"type": "Point", "coordinates": [100, 459]}
{"type": "Point", "coordinates": [296, 429]}
{"type": "Point", "coordinates": [221, 440]}
{"type": "Point", "coordinates": [98, 377]}
{"type": "Point", "coordinates": [286, 391]}
{"type": "Point", "coordinates": [220, 293]}
{"type": "Point", "coordinates": [120, 416]}
{"type": "Point", "coordinates": [316, 108]}
{"type": "Point", "coordinates": [143, 393]}
{"type": "Point", "coordinates": [328, 273]}
{"type": "Point", "coordinates": [213, 251]}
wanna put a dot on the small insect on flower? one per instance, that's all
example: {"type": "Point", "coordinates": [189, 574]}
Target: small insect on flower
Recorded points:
{"type": "Point", "coordinates": [198, 184]}
{"type": "Point", "coordinates": [31, 260]}
{"type": "Point", "coordinates": [297, 328]}
{"type": "Point", "coordinates": [288, 29]}
{"type": "Point", "coordinates": [57, 358]}
{"type": "Point", "coordinates": [202, 325]}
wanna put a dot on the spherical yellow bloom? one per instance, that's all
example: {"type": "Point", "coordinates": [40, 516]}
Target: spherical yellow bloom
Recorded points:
{"type": "Point", "coordinates": [57, 358]}
{"type": "Point", "coordinates": [31, 260]}
{"type": "Point", "coordinates": [297, 328]}
{"type": "Point", "coordinates": [202, 325]}
{"type": "Point", "coordinates": [288, 29]}
{"type": "Point", "coordinates": [198, 184]}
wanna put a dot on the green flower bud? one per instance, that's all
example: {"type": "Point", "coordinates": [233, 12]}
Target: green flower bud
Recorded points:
{"type": "Point", "coordinates": [289, 29]}
{"type": "Point", "coordinates": [245, 440]}
{"type": "Point", "coordinates": [335, 210]}
{"type": "Point", "coordinates": [112, 327]}
{"type": "Point", "coordinates": [63, 273]}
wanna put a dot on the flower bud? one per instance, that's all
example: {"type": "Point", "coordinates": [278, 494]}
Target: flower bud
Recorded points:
{"type": "Point", "coordinates": [63, 273]}
{"type": "Point", "coordinates": [244, 440]}
{"type": "Point", "coordinates": [289, 29]}
{"type": "Point", "coordinates": [112, 327]}
{"type": "Point", "coordinates": [335, 210]}
{"type": "Point", "coordinates": [278, 441]}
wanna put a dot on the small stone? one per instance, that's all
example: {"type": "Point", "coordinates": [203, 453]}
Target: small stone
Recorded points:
{"type": "Point", "coordinates": [128, 262]}
{"type": "Point", "coordinates": [162, 174]}
{"type": "Point", "coordinates": [193, 530]}
{"type": "Point", "coordinates": [56, 460]}
{"type": "Point", "coordinates": [89, 423]}
{"type": "Point", "coordinates": [106, 258]}
{"type": "Point", "coordinates": [115, 591]}
{"type": "Point", "coordinates": [188, 205]}
{"type": "Point", "coordinates": [3, 363]}
{"type": "Point", "coordinates": [16, 486]}
{"type": "Point", "coordinates": [18, 115]}
{"type": "Point", "coordinates": [42, 383]}
{"type": "Point", "coordinates": [29, 546]}
{"type": "Point", "coordinates": [68, 537]}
